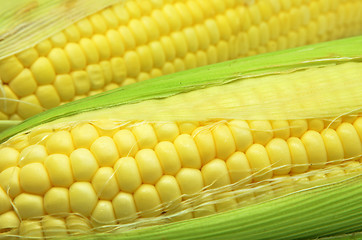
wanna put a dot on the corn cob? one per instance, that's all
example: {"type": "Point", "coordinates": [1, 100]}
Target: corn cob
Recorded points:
{"type": "Point", "coordinates": [132, 41]}
{"type": "Point", "coordinates": [157, 151]}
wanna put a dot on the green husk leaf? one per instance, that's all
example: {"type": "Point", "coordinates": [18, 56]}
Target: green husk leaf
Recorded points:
{"type": "Point", "coordinates": [292, 60]}
{"type": "Point", "coordinates": [24, 23]}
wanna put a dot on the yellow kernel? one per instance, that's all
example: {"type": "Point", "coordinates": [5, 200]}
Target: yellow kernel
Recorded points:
{"type": "Point", "coordinates": [105, 151]}
{"type": "Point", "coordinates": [76, 56]}
{"type": "Point", "coordinates": [212, 55]}
{"type": "Point", "coordinates": [110, 18]}
{"type": "Point", "coordinates": [224, 27]}
{"type": "Point", "coordinates": [145, 135]}
{"type": "Point", "coordinates": [169, 191]}
{"type": "Point", "coordinates": [259, 162]}
{"type": "Point", "coordinates": [224, 141]}
{"type": "Point", "coordinates": [279, 156]}
{"type": "Point", "coordinates": [43, 71]}
{"type": "Point", "coordinates": [201, 58]}
{"type": "Point", "coordinates": [32, 154]}
{"type": "Point", "coordinates": [192, 40]}
{"type": "Point", "coordinates": [168, 157]}
{"type": "Point", "coordinates": [168, 68]}
{"type": "Point", "coordinates": [157, 54]}
{"type": "Point", "coordinates": [133, 9]}
{"type": "Point", "coordinates": [28, 56]}
{"type": "Point", "coordinates": [105, 184]}
{"type": "Point", "coordinates": [281, 129]}
{"type": "Point", "coordinates": [9, 68]}
{"type": "Point", "coordinates": [83, 163]}
{"type": "Point", "coordinates": [179, 42]}
{"type": "Point", "coordinates": [184, 12]}
{"type": "Point", "coordinates": [145, 57]}
{"type": "Point", "coordinates": [190, 61]}
{"type": "Point", "coordinates": [298, 127]}
{"type": "Point", "coordinates": [274, 27]}
{"type": "Point", "coordinates": [172, 17]}
{"type": "Point", "coordinates": [72, 33]}
{"type": "Point", "coordinates": [149, 166]}
{"type": "Point", "coordinates": [107, 70]}
{"type": "Point", "coordinates": [60, 142]}
{"type": "Point", "coordinates": [24, 84]}
{"type": "Point", "coordinates": [333, 145]}
{"type": "Point", "coordinates": [90, 50]}
{"type": "Point", "coordinates": [299, 157]}
{"type": "Point", "coordinates": [29, 106]}
{"type": "Point", "coordinates": [31, 229]}
{"type": "Point", "coordinates": [47, 96]}
{"type": "Point", "coordinates": [59, 60]}
{"type": "Point", "coordinates": [54, 227]}
{"type": "Point", "coordinates": [238, 167]}
{"type": "Point", "coordinates": [205, 144]}
{"type": "Point", "coordinates": [129, 81]}
{"type": "Point", "coordinates": [85, 27]}
{"type": "Point", "coordinates": [77, 224]}
{"type": "Point", "coordinates": [124, 207]}
{"type": "Point", "coordinates": [65, 87]}
{"type": "Point", "coordinates": [9, 223]}
{"type": "Point", "coordinates": [126, 143]}
{"type": "Point", "coordinates": [139, 31]}
{"type": "Point", "coordinates": [119, 68]}
{"type": "Point", "coordinates": [103, 214]}
{"type": "Point", "coordinates": [168, 48]}
{"type": "Point", "coordinates": [44, 47]}
{"type": "Point", "coordinates": [7, 103]}
{"type": "Point", "coordinates": [82, 198]}
{"type": "Point", "coordinates": [29, 205]}
{"type": "Point", "coordinates": [132, 62]}
{"type": "Point", "coordinates": [34, 178]}
{"type": "Point", "coordinates": [215, 174]}
{"type": "Point", "coordinates": [128, 38]}
{"type": "Point", "coordinates": [202, 37]}
{"type": "Point", "coordinates": [95, 74]}
{"type": "Point", "coordinates": [84, 135]}
{"type": "Point", "coordinates": [98, 23]}
{"type": "Point", "coordinates": [58, 40]}
{"type": "Point", "coordinates": [58, 167]}
{"type": "Point", "coordinates": [127, 174]}
{"type": "Point", "coordinates": [103, 47]}
{"type": "Point", "coordinates": [190, 180]}
{"type": "Point", "coordinates": [166, 131]}
{"type": "Point", "coordinates": [5, 203]}
{"type": "Point", "coordinates": [350, 140]}
{"type": "Point", "coordinates": [187, 150]}
{"type": "Point", "coordinates": [187, 127]}
{"type": "Point", "coordinates": [56, 201]}
{"type": "Point", "coordinates": [10, 181]}
{"type": "Point", "coordinates": [254, 37]}
{"type": "Point", "coordinates": [196, 11]}
{"type": "Point", "coordinates": [116, 43]}
{"type": "Point", "coordinates": [316, 151]}
{"type": "Point", "coordinates": [262, 131]}
{"type": "Point", "coordinates": [147, 201]}
{"type": "Point", "coordinates": [9, 157]}
{"type": "Point", "coordinates": [81, 82]}
{"type": "Point", "coordinates": [151, 28]}
{"type": "Point", "coordinates": [213, 31]}
{"type": "Point", "coordinates": [358, 126]}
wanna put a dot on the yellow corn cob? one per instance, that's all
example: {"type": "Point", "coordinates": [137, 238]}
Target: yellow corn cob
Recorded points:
{"type": "Point", "coordinates": [136, 40]}
{"type": "Point", "coordinates": [250, 140]}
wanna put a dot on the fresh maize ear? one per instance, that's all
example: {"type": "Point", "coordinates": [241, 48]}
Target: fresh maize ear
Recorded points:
{"type": "Point", "coordinates": [135, 40]}
{"type": "Point", "coordinates": [195, 144]}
